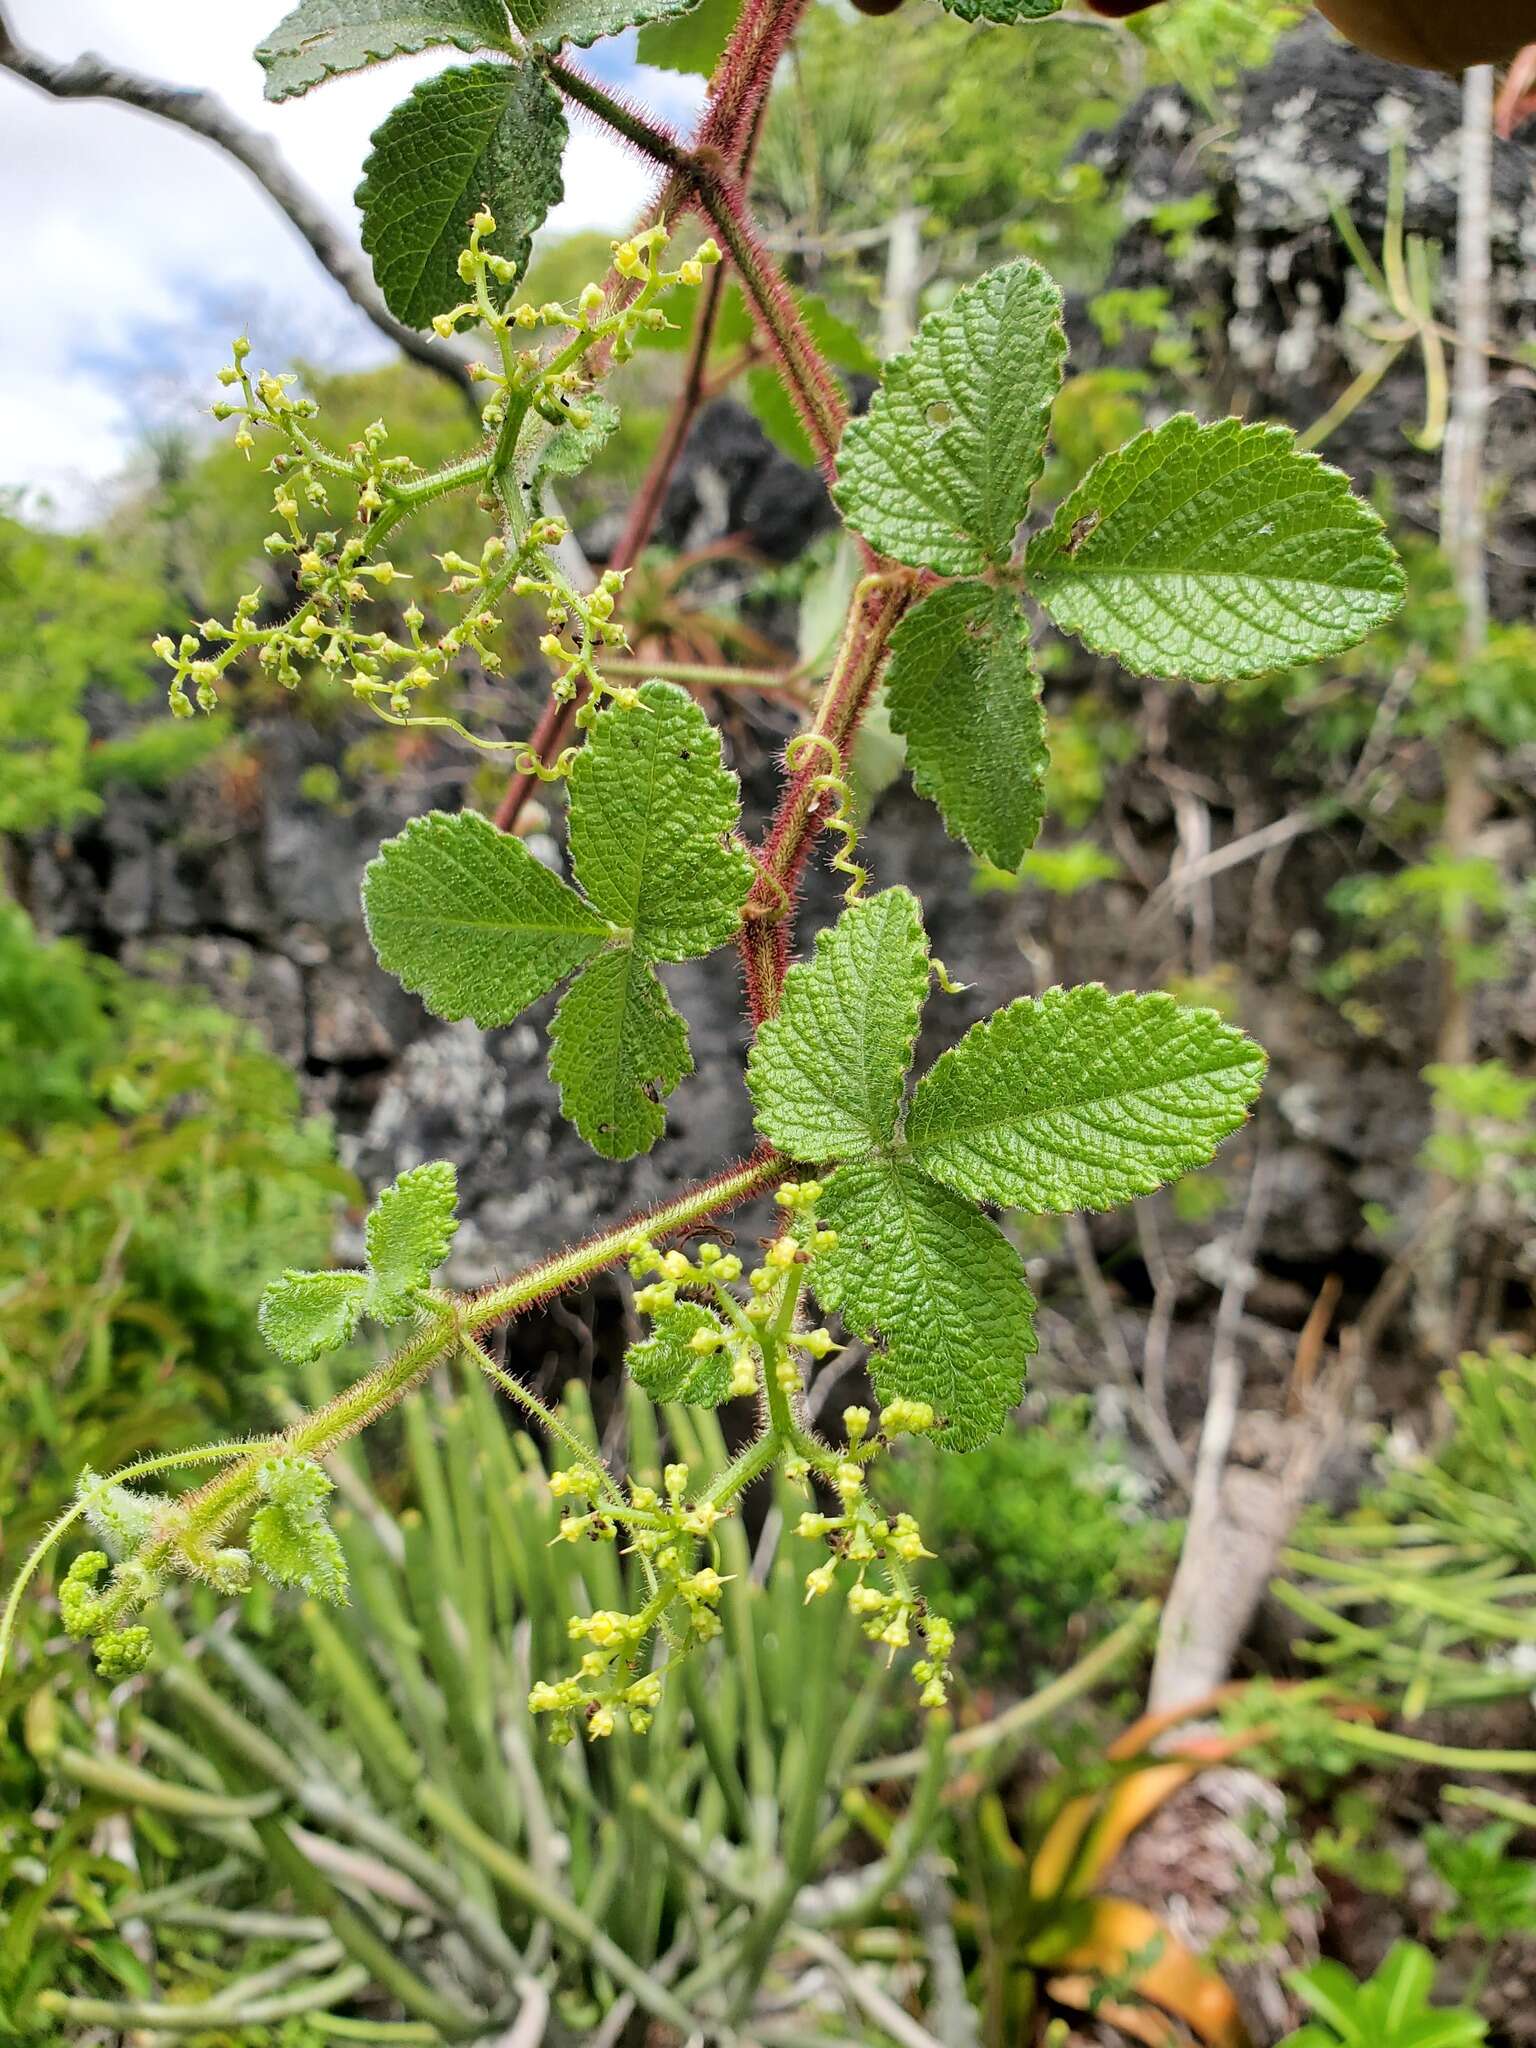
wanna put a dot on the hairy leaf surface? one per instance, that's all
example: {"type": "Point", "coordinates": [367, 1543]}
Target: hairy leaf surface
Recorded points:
{"type": "Point", "coordinates": [1081, 1099]}
{"type": "Point", "coordinates": [321, 38]}
{"type": "Point", "coordinates": [1215, 552]}
{"type": "Point", "coordinates": [923, 1270]}
{"type": "Point", "coordinates": [467, 919]}
{"type": "Point", "coordinates": [305, 1314]}
{"type": "Point", "coordinates": [548, 23]}
{"type": "Point", "coordinates": [290, 1538]}
{"type": "Point", "coordinates": [664, 1367]}
{"type": "Point", "coordinates": [826, 1073]}
{"type": "Point", "coordinates": [939, 471]}
{"type": "Point", "coordinates": [617, 1050]}
{"type": "Point", "coordinates": [963, 689]}
{"type": "Point", "coordinates": [1005, 11]}
{"type": "Point", "coordinates": [651, 807]}
{"type": "Point", "coordinates": [408, 1234]}
{"type": "Point", "coordinates": [484, 135]}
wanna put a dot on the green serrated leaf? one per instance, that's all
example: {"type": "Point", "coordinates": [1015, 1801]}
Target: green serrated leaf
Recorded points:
{"type": "Point", "coordinates": [1080, 1099]}
{"type": "Point", "coordinates": [617, 1051]}
{"type": "Point", "coordinates": [548, 23]}
{"type": "Point", "coordinates": [1008, 12]}
{"type": "Point", "coordinates": [482, 135]}
{"type": "Point", "coordinates": [567, 450]}
{"type": "Point", "coordinates": [826, 1073]}
{"type": "Point", "coordinates": [304, 1314]}
{"type": "Point", "coordinates": [923, 1270]}
{"type": "Point", "coordinates": [838, 339]}
{"type": "Point", "coordinates": [322, 38]}
{"type": "Point", "coordinates": [693, 41]}
{"type": "Point", "coordinates": [408, 1233]}
{"type": "Point", "coordinates": [1214, 552]}
{"type": "Point", "coordinates": [466, 918]}
{"type": "Point", "coordinates": [938, 472]}
{"type": "Point", "coordinates": [651, 807]}
{"type": "Point", "coordinates": [963, 688]}
{"type": "Point", "coordinates": [774, 410]}
{"type": "Point", "coordinates": [666, 1367]}
{"type": "Point", "coordinates": [291, 1540]}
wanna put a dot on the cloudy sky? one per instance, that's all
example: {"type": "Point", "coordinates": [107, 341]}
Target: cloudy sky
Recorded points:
{"type": "Point", "coordinates": [134, 250]}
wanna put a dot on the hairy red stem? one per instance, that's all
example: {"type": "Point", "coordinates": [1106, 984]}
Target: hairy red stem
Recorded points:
{"type": "Point", "coordinates": [768, 921]}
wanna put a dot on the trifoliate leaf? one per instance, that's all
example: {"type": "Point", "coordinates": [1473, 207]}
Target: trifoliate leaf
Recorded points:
{"type": "Point", "coordinates": [963, 688]}
{"type": "Point", "coordinates": [304, 1314]}
{"type": "Point", "coordinates": [939, 471]}
{"type": "Point", "coordinates": [408, 1234]}
{"type": "Point", "coordinates": [690, 42]}
{"type": "Point", "coordinates": [826, 1073]}
{"type": "Point", "coordinates": [1005, 11]}
{"type": "Point", "coordinates": [483, 135]}
{"type": "Point", "coordinates": [1215, 552]}
{"type": "Point", "coordinates": [651, 807]}
{"type": "Point", "coordinates": [321, 38]}
{"type": "Point", "coordinates": [1081, 1099]}
{"type": "Point", "coordinates": [548, 23]}
{"type": "Point", "coordinates": [666, 1367]}
{"type": "Point", "coordinates": [290, 1538]}
{"type": "Point", "coordinates": [466, 918]}
{"type": "Point", "coordinates": [617, 1051]}
{"type": "Point", "coordinates": [923, 1270]}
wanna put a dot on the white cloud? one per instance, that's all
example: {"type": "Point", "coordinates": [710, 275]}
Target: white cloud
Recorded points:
{"type": "Point", "coordinates": [133, 248]}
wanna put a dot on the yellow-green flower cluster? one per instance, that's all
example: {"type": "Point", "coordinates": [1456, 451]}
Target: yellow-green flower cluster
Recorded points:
{"type": "Point", "coordinates": [337, 560]}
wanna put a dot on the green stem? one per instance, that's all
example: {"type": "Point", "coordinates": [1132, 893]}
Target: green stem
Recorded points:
{"type": "Point", "coordinates": [195, 2019]}
{"type": "Point", "coordinates": [119, 1780]}
{"type": "Point", "coordinates": [559, 1429]}
{"type": "Point", "coordinates": [703, 675]}
{"type": "Point", "coordinates": [1520, 1811]}
{"type": "Point", "coordinates": [746, 1466]}
{"type": "Point", "coordinates": [205, 1455]}
{"type": "Point", "coordinates": [1411, 1749]}
{"type": "Point", "coordinates": [764, 1170]}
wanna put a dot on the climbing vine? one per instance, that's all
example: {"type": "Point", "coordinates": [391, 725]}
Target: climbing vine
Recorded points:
{"type": "Point", "coordinates": [1204, 551]}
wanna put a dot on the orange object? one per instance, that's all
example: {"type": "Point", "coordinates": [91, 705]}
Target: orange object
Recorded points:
{"type": "Point", "coordinates": [1434, 34]}
{"type": "Point", "coordinates": [1117, 1933]}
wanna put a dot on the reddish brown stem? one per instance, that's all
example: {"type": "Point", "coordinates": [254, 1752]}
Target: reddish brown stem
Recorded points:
{"type": "Point", "coordinates": [731, 125]}
{"type": "Point", "coordinates": [803, 809]}
{"type": "Point", "coordinates": [555, 725]}
{"type": "Point", "coordinates": [816, 393]}
{"type": "Point", "coordinates": [646, 506]}
{"type": "Point", "coordinates": [744, 76]}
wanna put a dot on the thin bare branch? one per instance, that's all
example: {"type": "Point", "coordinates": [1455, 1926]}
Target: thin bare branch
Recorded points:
{"type": "Point", "coordinates": [90, 77]}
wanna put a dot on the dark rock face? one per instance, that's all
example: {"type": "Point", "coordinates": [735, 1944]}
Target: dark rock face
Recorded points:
{"type": "Point", "coordinates": [1284, 317]}
{"type": "Point", "coordinates": [731, 479]}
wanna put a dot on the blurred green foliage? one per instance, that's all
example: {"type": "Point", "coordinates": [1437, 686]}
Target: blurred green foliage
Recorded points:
{"type": "Point", "coordinates": [1039, 1536]}
{"type": "Point", "coordinates": [76, 616]}
{"type": "Point", "coordinates": [157, 1169]}
{"type": "Point", "coordinates": [395, 1731]}
{"type": "Point", "coordinates": [1420, 1595]}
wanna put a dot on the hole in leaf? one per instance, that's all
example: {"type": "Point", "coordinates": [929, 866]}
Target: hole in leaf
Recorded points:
{"type": "Point", "coordinates": [940, 414]}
